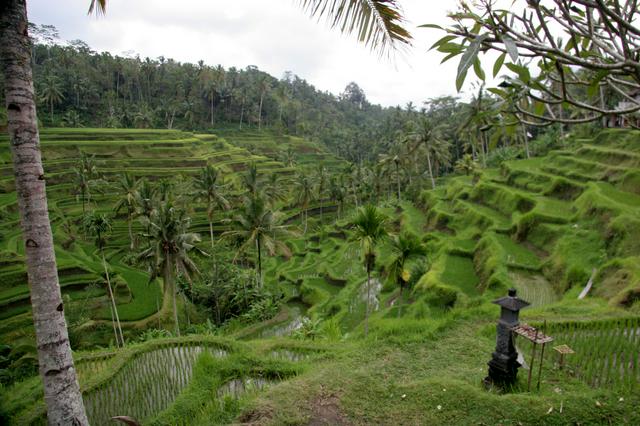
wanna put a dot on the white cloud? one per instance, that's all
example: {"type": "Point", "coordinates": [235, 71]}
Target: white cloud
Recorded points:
{"type": "Point", "coordinates": [276, 36]}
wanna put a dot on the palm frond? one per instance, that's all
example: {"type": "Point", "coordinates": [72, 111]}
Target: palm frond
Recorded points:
{"type": "Point", "coordinates": [97, 6]}
{"type": "Point", "coordinates": [377, 23]}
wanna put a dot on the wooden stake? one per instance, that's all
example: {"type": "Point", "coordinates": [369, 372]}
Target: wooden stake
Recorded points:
{"type": "Point", "coordinates": [533, 359]}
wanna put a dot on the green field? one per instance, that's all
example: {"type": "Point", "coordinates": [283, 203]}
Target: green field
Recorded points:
{"type": "Point", "coordinates": [540, 225]}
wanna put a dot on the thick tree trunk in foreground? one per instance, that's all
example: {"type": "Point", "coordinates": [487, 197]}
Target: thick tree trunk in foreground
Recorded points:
{"type": "Point", "coordinates": [61, 390]}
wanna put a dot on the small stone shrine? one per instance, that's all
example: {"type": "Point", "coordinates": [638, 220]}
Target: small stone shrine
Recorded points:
{"type": "Point", "coordinates": [503, 367]}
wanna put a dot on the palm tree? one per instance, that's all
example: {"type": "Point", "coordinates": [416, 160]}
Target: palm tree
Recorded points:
{"type": "Point", "coordinates": [258, 226]}
{"type": "Point", "coordinates": [52, 92]}
{"type": "Point", "coordinates": [337, 193]}
{"type": "Point", "coordinates": [209, 190]}
{"type": "Point", "coordinates": [321, 182]}
{"type": "Point", "coordinates": [127, 187]}
{"type": "Point", "coordinates": [404, 247]}
{"type": "Point", "coordinates": [61, 390]}
{"type": "Point", "coordinates": [289, 157]}
{"type": "Point", "coordinates": [466, 165]}
{"type": "Point", "coordinates": [145, 200]}
{"type": "Point", "coordinates": [98, 224]}
{"type": "Point", "coordinates": [304, 196]}
{"type": "Point", "coordinates": [369, 230]}
{"type": "Point", "coordinates": [86, 173]}
{"type": "Point", "coordinates": [169, 247]}
{"type": "Point", "coordinates": [427, 134]}
{"type": "Point", "coordinates": [250, 179]}
{"type": "Point", "coordinates": [264, 86]}
{"type": "Point", "coordinates": [274, 189]}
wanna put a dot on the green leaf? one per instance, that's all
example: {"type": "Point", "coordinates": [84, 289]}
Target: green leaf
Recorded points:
{"type": "Point", "coordinates": [522, 71]}
{"type": "Point", "coordinates": [539, 108]}
{"type": "Point", "coordinates": [468, 58]}
{"type": "Point", "coordinates": [499, 92]}
{"type": "Point", "coordinates": [449, 48]}
{"type": "Point", "coordinates": [460, 80]}
{"type": "Point", "coordinates": [449, 56]}
{"type": "Point", "coordinates": [438, 27]}
{"type": "Point", "coordinates": [511, 47]}
{"type": "Point", "coordinates": [443, 40]}
{"type": "Point", "coordinates": [477, 68]}
{"type": "Point", "coordinates": [498, 64]}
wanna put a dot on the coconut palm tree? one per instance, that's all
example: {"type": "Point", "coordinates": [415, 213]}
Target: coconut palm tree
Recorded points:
{"type": "Point", "coordinates": [264, 86]}
{"type": "Point", "coordinates": [61, 390]}
{"type": "Point", "coordinates": [210, 190]}
{"type": "Point", "coordinates": [51, 92]}
{"type": "Point", "coordinates": [98, 224]}
{"type": "Point", "coordinates": [321, 183]}
{"type": "Point", "coordinates": [145, 200]}
{"type": "Point", "coordinates": [86, 175]}
{"type": "Point", "coordinates": [289, 157]}
{"type": "Point", "coordinates": [466, 165]}
{"type": "Point", "coordinates": [304, 195]}
{"type": "Point", "coordinates": [127, 187]}
{"type": "Point", "coordinates": [169, 248]}
{"type": "Point", "coordinates": [369, 228]}
{"type": "Point", "coordinates": [274, 189]}
{"type": "Point", "coordinates": [250, 179]}
{"type": "Point", "coordinates": [404, 247]}
{"type": "Point", "coordinates": [427, 134]}
{"type": "Point", "coordinates": [337, 193]}
{"type": "Point", "coordinates": [258, 226]}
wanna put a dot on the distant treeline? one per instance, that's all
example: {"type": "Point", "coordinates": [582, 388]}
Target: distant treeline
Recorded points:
{"type": "Point", "coordinates": [79, 87]}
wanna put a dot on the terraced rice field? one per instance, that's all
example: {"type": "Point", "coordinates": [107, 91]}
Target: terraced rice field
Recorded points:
{"type": "Point", "coordinates": [150, 154]}
{"type": "Point", "coordinates": [542, 225]}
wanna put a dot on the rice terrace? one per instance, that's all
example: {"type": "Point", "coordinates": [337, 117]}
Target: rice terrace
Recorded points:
{"type": "Point", "coordinates": [453, 240]}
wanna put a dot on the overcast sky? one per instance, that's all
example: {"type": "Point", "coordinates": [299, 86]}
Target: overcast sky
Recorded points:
{"type": "Point", "coordinates": [276, 36]}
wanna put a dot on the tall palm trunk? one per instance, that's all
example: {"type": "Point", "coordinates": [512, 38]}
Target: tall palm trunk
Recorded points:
{"type": "Point", "coordinates": [241, 113]}
{"type": "Point", "coordinates": [212, 109]}
{"type": "Point", "coordinates": [61, 390]}
{"type": "Point", "coordinates": [130, 230]}
{"type": "Point", "coordinates": [114, 307]}
{"type": "Point", "coordinates": [260, 111]}
{"type": "Point", "coordinates": [259, 261]}
{"type": "Point", "coordinates": [170, 291]}
{"type": "Point", "coordinates": [398, 179]}
{"type": "Point", "coordinates": [209, 215]}
{"type": "Point", "coordinates": [433, 182]}
{"type": "Point", "coordinates": [366, 311]}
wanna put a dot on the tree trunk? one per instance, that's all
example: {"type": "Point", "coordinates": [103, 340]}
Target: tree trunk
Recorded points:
{"type": "Point", "coordinates": [130, 231]}
{"type": "Point", "coordinates": [212, 109]}
{"type": "Point", "coordinates": [114, 307]}
{"type": "Point", "coordinates": [170, 291]}
{"type": "Point", "coordinates": [260, 111]}
{"type": "Point", "coordinates": [398, 179]}
{"type": "Point", "coordinates": [211, 231]}
{"type": "Point", "coordinates": [61, 390]}
{"type": "Point", "coordinates": [241, 113]}
{"type": "Point", "coordinates": [259, 261]}
{"type": "Point", "coordinates": [366, 311]}
{"type": "Point", "coordinates": [306, 217]}
{"type": "Point", "coordinates": [433, 182]}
